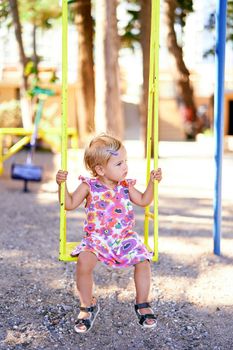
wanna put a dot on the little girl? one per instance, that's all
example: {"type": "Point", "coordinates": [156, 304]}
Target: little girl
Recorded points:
{"type": "Point", "coordinates": [109, 234]}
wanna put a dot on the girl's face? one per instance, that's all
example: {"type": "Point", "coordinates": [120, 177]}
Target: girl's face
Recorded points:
{"type": "Point", "coordinates": [116, 169]}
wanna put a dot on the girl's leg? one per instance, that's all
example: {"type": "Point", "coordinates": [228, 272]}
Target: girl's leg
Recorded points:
{"type": "Point", "coordinates": [84, 279]}
{"type": "Point", "coordinates": [142, 280]}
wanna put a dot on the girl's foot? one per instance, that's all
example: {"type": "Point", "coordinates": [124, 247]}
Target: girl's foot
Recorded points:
{"type": "Point", "coordinates": [86, 318]}
{"type": "Point", "coordinates": [146, 315]}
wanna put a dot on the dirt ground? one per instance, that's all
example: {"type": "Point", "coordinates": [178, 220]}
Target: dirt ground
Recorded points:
{"type": "Point", "coordinates": [192, 288]}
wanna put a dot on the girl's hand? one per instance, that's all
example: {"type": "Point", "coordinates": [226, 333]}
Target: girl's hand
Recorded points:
{"type": "Point", "coordinates": [156, 175]}
{"type": "Point", "coordinates": [61, 176]}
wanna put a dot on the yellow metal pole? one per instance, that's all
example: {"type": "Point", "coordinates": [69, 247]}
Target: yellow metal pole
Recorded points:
{"type": "Point", "coordinates": [64, 127]}
{"type": "Point", "coordinates": [16, 147]}
{"type": "Point", "coordinates": [150, 113]}
{"type": "Point", "coordinates": [16, 131]}
{"type": "Point", "coordinates": [156, 124]}
{"type": "Point", "coordinates": [152, 121]}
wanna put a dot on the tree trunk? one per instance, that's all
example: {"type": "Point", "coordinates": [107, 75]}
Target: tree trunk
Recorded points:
{"type": "Point", "coordinates": [108, 116]}
{"type": "Point", "coordinates": [18, 35]}
{"type": "Point", "coordinates": [184, 86]}
{"type": "Point", "coordinates": [34, 45]}
{"type": "Point", "coordinates": [24, 101]}
{"type": "Point", "coordinates": [145, 43]}
{"type": "Point", "coordinates": [86, 85]}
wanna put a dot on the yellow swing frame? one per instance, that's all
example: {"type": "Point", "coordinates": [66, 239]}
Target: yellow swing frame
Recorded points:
{"type": "Point", "coordinates": [152, 125]}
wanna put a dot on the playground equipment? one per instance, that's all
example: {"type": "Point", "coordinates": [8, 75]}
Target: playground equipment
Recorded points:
{"type": "Point", "coordinates": [221, 14]}
{"type": "Point", "coordinates": [28, 171]}
{"type": "Point", "coordinates": [221, 11]}
{"type": "Point", "coordinates": [67, 247]}
{"type": "Point", "coordinates": [152, 122]}
{"type": "Point", "coordinates": [43, 134]}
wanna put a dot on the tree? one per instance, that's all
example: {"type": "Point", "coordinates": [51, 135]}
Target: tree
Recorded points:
{"type": "Point", "coordinates": [24, 101]}
{"type": "Point", "coordinates": [145, 43]}
{"type": "Point", "coordinates": [18, 34]}
{"type": "Point", "coordinates": [137, 31]}
{"type": "Point", "coordinates": [86, 81]}
{"type": "Point", "coordinates": [38, 12]}
{"type": "Point", "coordinates": [108, 111]}
{"type": "Point", "coordinates": [176, 12]}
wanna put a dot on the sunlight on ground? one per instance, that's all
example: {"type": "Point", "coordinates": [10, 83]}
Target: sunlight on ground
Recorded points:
{"type": "Point", "coordinates": [188, 219]}
{"type": "Point", "coordinates": [10, 253]}
{"type": "Point", "coordinates": [210, 283]}
{"type": "Point", "coordinates": [213, 288]}
{"type": "Point", "coordinates": [14, 337]}
{"type": "Point", "coordinates": [181, 249]}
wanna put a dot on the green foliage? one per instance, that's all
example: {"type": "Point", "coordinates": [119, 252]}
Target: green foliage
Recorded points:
{"type": "Point", "coordinates": [230, 21]}
{"type": "Point", "coordinates": [184, 8]}
{"type": "Point", "coordinates": [129, 30]}
{"type": "Point", "coordinates": [5, 17]}
{"type": "Point", "coordinates": [33, 75]}
{"type": "Point", "coordinates": [210, 25]}
{"type": "Point", "coordinates": [39, 12]}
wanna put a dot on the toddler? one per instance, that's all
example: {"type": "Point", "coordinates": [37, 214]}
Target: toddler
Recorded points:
{"type": "Point", "coordinates": [109, 226]}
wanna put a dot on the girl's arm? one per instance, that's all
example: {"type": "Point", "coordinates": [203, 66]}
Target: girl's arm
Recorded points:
{"type": "Point", "coordinates": [72, 200]}
{"type": "Point", "coordinates": [144, 199]}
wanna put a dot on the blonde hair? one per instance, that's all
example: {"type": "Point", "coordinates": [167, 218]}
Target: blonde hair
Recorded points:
{"type": "Point", "coordinates": [99, 151]}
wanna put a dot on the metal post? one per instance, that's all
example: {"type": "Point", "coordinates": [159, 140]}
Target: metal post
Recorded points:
{"type": "Point", "coordinates": [152, 122]}
{"type": "Point", "coordinates": [64, 126]}
{"type": "Point", "coordinates": [150, 114]}
{"type": "Point", "coordinates": [221, 12]}
{"type": "Point", "coordinates": [156, 128]}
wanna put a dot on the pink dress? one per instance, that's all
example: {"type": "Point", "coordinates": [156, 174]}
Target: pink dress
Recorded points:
{"type": "Point", "coordinates": [109, 226]}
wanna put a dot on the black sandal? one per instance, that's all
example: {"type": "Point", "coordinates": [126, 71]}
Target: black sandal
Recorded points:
{"type": "Point", "coordinates": [87, 322]}
{"type": "Point", "coordinates": [143, 317]}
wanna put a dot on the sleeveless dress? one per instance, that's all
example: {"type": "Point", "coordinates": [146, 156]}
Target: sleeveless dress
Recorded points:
{"type": "Point", "coordinates": [109, 225]}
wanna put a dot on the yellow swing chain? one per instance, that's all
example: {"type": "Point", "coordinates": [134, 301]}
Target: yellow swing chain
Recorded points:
{"type": "Point", "coordinates": [64, 127]}
{"type": "Point", "coordinates": [152, 121]}
{"type": "Point", "coordinates": [65, 247]}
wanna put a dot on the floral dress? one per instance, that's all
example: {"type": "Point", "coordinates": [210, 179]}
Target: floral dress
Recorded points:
{"type": "Point", "coordinates": [109, 225]}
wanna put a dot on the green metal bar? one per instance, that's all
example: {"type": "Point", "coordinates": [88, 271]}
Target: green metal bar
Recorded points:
{"type": "Point", "coordinates": [62, 252]}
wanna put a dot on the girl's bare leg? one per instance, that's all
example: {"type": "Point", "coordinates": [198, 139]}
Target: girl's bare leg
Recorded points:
{"type": "Point", "coordinates": [142, 280]}
{"type": "Point", "coordinates": [84, 279]}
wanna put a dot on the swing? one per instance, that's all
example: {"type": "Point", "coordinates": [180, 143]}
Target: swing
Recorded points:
{"type": "Point", "coordinates": [152, 132]}
{"type": "Point", "coordinates": [29, 171]}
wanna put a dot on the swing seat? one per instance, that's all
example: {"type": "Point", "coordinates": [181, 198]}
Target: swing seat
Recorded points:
{"type": "Point", "coordinates": [66, 250]}
{"type": "Point", "coordinates": [26, 172]}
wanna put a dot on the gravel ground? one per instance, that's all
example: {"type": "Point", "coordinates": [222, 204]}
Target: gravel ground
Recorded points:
{"type": "Point", "coordinates": [192, 288]}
